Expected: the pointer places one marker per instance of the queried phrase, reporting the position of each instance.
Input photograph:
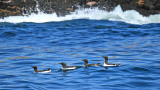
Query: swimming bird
(106, 62)
(65, 67)
(41, 71)
(87, 65)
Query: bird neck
(86, 62)
(106, 60)
(35, 69)
(64, 65)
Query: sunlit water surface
(135, 46)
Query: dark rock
(64, 7)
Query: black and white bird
(65, 67)
(108, 64)
(41, 71)
(88, 65)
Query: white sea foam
(130, 16)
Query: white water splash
(130, 16)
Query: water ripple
(135, 47)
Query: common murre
(65, 67)
(41, 71)
(87, 65)
(106, 62)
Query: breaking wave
(130, 16)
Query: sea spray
(130, 16)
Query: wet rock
(91, 3)
(140, 3)
(64, 7)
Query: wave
(130, 16)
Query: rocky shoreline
(64, 7)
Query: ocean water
(44, 40)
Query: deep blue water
(135, 47)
